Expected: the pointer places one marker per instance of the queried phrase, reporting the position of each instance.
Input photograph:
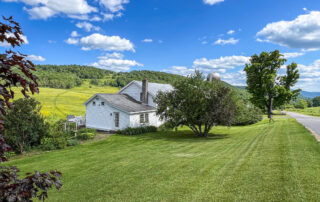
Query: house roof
(123, 102)
(153, 88)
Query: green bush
(301, 104)
(72, 142)
(137, 131)
(85, 136)
(87, 130)
(246, 114)
(52, 143)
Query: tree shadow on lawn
(181, 136)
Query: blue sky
(175, 36)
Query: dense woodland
(69, 76)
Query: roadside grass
(262, 162)
(58, 103)
(312, 111)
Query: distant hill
(70, 76)
(309, 94)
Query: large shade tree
(17, 71)
(198, 104)
(268, 88)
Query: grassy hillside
(312, 111)
(261, 162)
(58, 103)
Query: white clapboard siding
(102, 117)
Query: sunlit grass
(262, 162)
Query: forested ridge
(69, 76)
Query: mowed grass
(263, 162)
(58, 103)
(312, 111)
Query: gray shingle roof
(125, 103)
(154, 88)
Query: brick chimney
(144, 94)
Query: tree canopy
(198, 104)
(268, 89)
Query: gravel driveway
(310, 122)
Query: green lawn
(262, 162)
(312, 111)
(58, 103)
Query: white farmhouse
(132, 106)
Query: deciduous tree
(198, 104)
(269, 89)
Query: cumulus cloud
(181, 70)
(302, 32)
(107, 43)
(228, 62)
(43, 9)
(226, 41)
(147, 40)
(87, 26)
(74, 34)
(292, 54)
(36, 58)
(309, 76)
(6, 44)
(230, 32)
(212, 2)
(114, 5)
(115, 62)
(72, 41)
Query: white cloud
(113, 55)
(304, 9)
(147, 40)
(36, 58)
(87, 26)
(43, 9)
(292, 55)
(95, 19)
(107, 43)
(302, 32)
(115, 62)
(309, 76)
(6, 44)
(230, 32)
(114, 5)
(72, 41)
(181, 70)
(51, 41)
(212, 2)
(226, 41)
(228, 62)
(74, 34)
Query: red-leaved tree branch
(17, 71)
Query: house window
(102, 103)
(141, 97)
(141, 118)
(116, 119)
(144, 118)
(94, 103)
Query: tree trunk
(270, 108)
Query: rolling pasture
(261, 162)
(58, 103)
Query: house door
(116, 119)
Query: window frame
(116, 119)
(142, 118)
